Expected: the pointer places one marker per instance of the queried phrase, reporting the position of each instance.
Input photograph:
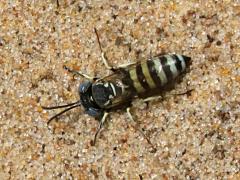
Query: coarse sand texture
(196, 135)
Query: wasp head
(87, 100)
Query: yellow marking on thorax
(137, 85)
(147, 75)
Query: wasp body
(99, 96)
(130, 82)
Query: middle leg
(105, 61)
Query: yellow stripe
(136, 83)
(161, 73)
(171, 63)
(147, 75)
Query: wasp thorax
(102, 93)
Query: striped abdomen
(157, 72)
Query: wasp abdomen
(157, 72)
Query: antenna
(72, 106)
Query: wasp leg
(103, 120)
(79, 73)
(183, 93)
(126, 65)
(136, 127)
(152, 98)
(105, 60)
(187, 92)
(58, 5)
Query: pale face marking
(106, 84)
(113, 89)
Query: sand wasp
(99, 96)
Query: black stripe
(154, 73)
(166, 68)
(177, 62)
(187, 61)
(127, 80)
(141, 77)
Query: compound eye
(84, 86)
(94, 112)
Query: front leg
(100, 126)
(79, 73)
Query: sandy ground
(197, 136)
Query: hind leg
(136, 127)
